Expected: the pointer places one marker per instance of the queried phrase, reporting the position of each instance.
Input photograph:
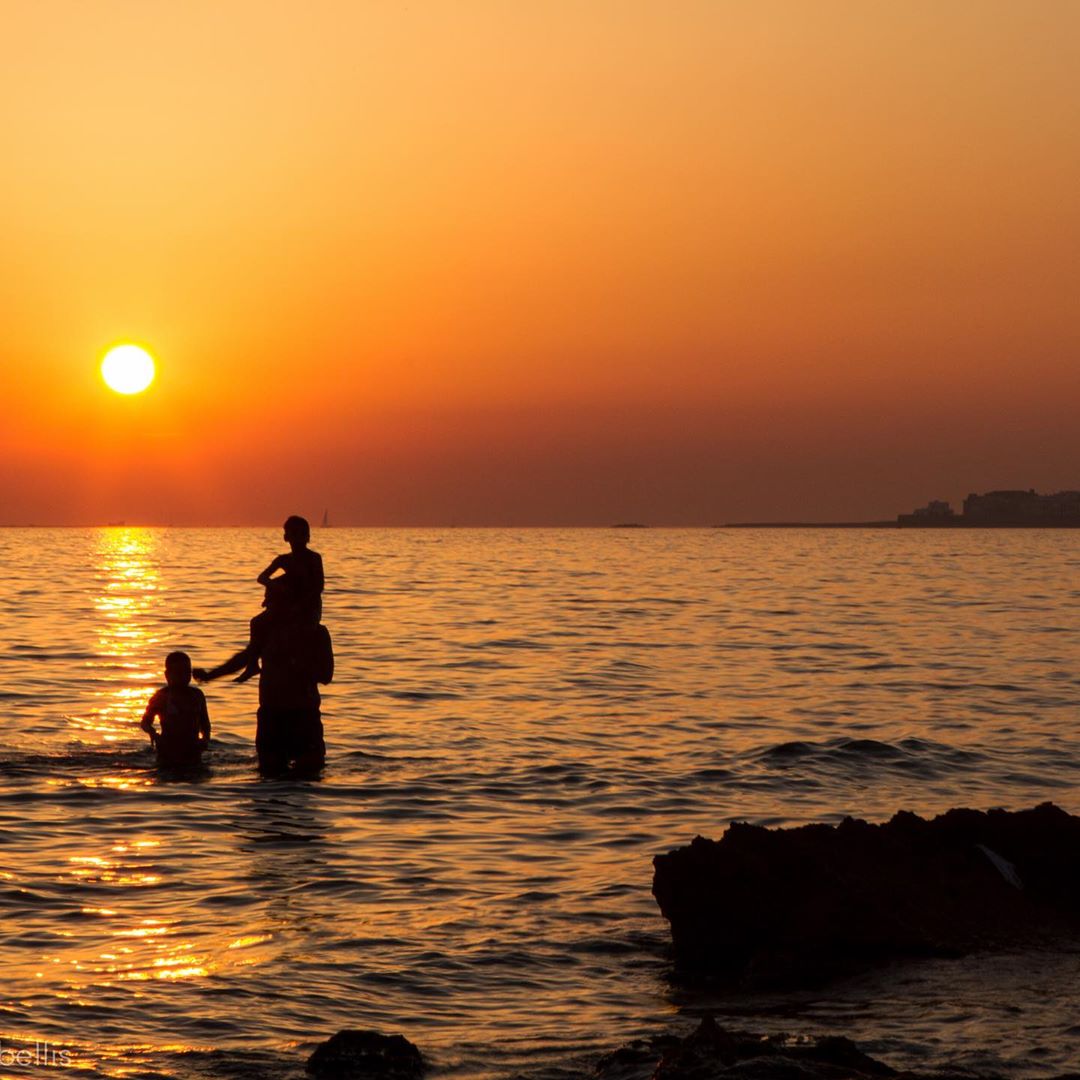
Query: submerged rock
(366, 1055)
(715, 1053)
(797, 906)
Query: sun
(127, 369)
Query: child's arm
(246, 657)
(204, 722)
(268, 573)
(153, 708)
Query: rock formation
(797, 906)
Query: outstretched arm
(235, 663)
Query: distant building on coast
(1023, 508)
(1061, 509)
(934, 512)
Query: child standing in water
(302, 569)
(181, 709)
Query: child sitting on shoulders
(302, 569)
(181, 709)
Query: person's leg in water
(307, 747)
(290, 741)
(271, 745)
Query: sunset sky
(554, 262)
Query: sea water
(520, 720)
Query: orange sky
(551, 262)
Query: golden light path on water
(127, 945)
(128, 646)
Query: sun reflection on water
(128, 946)
(129, 587)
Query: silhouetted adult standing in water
(294, 654)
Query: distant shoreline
(809, 525)
(938, 525)
(617, 527)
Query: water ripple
(520, 721)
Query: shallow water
(520, 721)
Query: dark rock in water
(366, 1055)
(797, 906)
(715, 1053)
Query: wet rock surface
(366, 1055)
(713, 1052)
(789, 907)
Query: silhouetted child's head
(297, 531)
(178, 669)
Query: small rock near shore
(366, 1055)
